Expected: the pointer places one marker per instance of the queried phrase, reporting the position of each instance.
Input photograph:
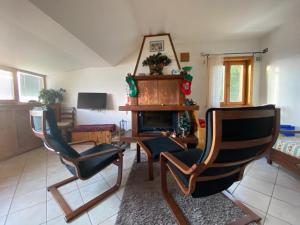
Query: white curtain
(215, 70)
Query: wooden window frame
(15, 71)
(248, 80)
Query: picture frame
(157, 46)
(159, 37)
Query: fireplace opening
(156, 121)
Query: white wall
(112, 80)
(200, 79)
(280, 82)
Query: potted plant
(156, 63)
(51, 96)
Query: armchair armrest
(98, 154)
(81, 142)
(176, 162)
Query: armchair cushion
(90, 167)
(203, 188)
(189, 158)
(161, 144)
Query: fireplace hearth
(157, 121)
(157, 108)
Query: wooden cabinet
(8, 134)
(26, 140)
(15, 132)
(159, 90)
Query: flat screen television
(91, 101)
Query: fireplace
(156, 121)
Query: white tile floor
(271, 191)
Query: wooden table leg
(138, 153)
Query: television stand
(100, 133)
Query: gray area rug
(143, 203)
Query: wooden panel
(98, 136)
(158, 77)
(134, 121)
(147, 92)
(168, 92)
(15, 132)
(285, 160)
(8, 134)
(26, 139)
(184, 57)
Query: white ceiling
(60, 35)
(32, 41)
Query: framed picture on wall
(157, 46)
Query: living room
(89, 69)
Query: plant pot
(156, 69)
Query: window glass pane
(29, 86)
(6, 85)
(236, 83)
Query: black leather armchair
(234, 138)
(81, 165)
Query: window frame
(247, 61)
(30, 74)
(14, 72)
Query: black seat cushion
(161, 144)
(90, 167)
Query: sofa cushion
(288, 145)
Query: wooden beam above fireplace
(158, 108)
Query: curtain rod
(236, 53)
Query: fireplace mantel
(158, 108)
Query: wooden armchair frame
(196, 169)
(53, 189)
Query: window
(7, 91)
(29, 86)
(237, 81)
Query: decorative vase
(156, 69)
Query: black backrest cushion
(238, 130)
(243, 130)
(54, 138)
